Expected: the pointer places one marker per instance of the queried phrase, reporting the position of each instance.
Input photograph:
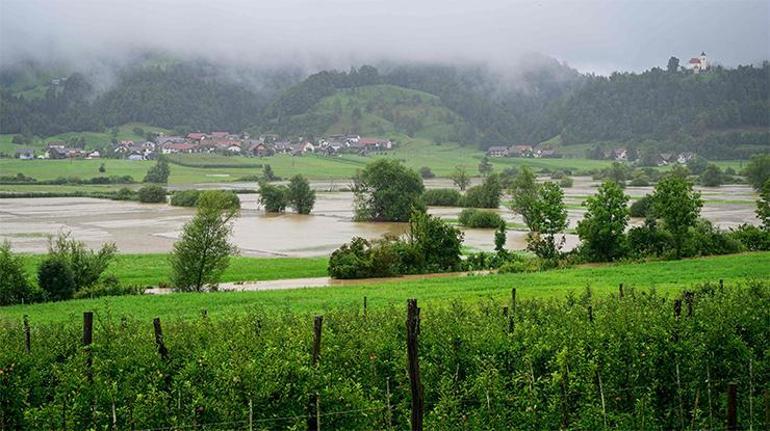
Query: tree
(102, 169)
(763, 206)
(618, 172)
(501, 238)
(697, 165)
(675, 202)
(386, 190)
(486, 195)
(203, 252)
(300, 196)
(485, 166)
(268, 175)
(426, 173)
(524, 193)
(437, 243)
(460, 178)
(548, 217)
(152, 194)
(87, 265)
(273, 198)
(711, 176)
(602, 230)
(673, 64)
(757, 172)
(56, 278)
(159, 173)
(14, 287)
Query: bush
(640, 180)
(363, 259)
(518, 263)
(566, 182)
(474, 218)
(648, 240)
(486, 195)
(426, 173)
(185, 198)
(125, 194)
(14, 287)
(110, 286)
(707, 240)
(641, 207)
(56, 278)
(87, 265)
(442, 197)
(752, 237)
(273, 198)
(152, 194)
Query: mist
(596, 37)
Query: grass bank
(664, 276)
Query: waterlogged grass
(153, 269)
(665, 276)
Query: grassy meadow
(664, 276)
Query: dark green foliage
(87, 265)
(500, 238)
(524, 193)
(426, 173)
(268, 174)
(711, 176)
(185, 198)
(158, 174)
(602, 229)
(757, 172)
(299, 195)
(386, 190)
(547, 219)
(485, 166)
(566, 182)
(431, 245)
(641, 207)
(203, 251)
(152, 194)
(110, 286)
(751, 237)
(273, 198)
(707, 240)
(678, 206)
(224, 362)
(648, 240)
(14, 287)
(486, 195)
(474, 218)
(763, 205)
(442, 197)
(56, 278)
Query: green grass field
(93, 139)
(152, 269)
(665, 276)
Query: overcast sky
(599, 36)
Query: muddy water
(146, 228)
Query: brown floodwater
(153, 228)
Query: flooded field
(145, 228)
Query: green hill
(378, 110)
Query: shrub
(87, 265)
(159, 173)
(641, 207)
(566, 182)
(362, 259)
(648, 240)
(486, 195)
(442, 197)
(110, 286)
(426, 173)
(640, 180)
(273, 198)
(474, 218)
(14, 287)
(125, 194)
(152, 194)
(221, 199)
(185, 198)
(518, 263)
(56, 278)
(752, 237)
(706, 240)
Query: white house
(700, 63)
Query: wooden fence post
(364, 307)
(620, 291)
(591, 313)
(162, 350)
(721, 283)
(512, 315)
(677, 308)
(505, 311)
(88, 338)
(732, 404)
(204, 313)
(412, 332)
(27, 340)
(314, 404)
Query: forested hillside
(722, 113)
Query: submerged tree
(524, 192)
(675, 202)
(547, 218)
(460, 178)
(203, 252)
(386, 190)
(299, 195)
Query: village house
(303, 147)
(684, 158)
(376, 143)
(699, 64)
(497, 151)
(94, 155)
(258, 149)
(521, 151)
(136, 156)
(219, 135)
(163, 140)
(178, 148)
(282, 147)
(24, 153)
(196, 137)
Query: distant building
(700, 63)
(498, 151)
(521, 151)
(24, 153)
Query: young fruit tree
(602, 230)
(203, 252)
(548, 218)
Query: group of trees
(298, 196)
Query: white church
(699, 64)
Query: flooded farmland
(152, 228)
